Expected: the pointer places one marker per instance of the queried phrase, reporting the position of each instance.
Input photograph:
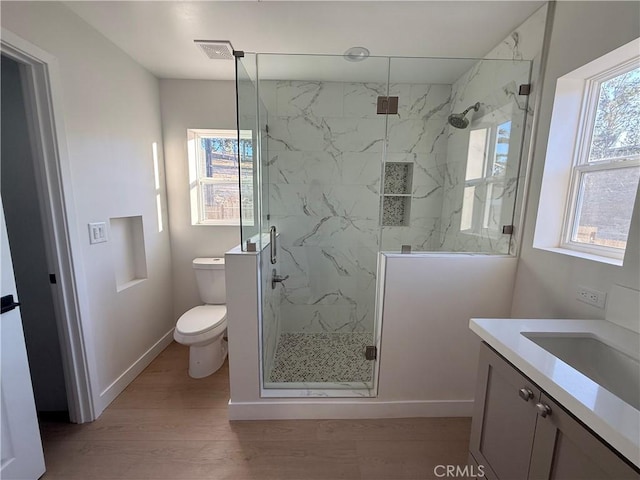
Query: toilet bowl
(203, 328)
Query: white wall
(428, 352)
(192, 104)
(546, 282)
(111, 112)
(26, 239)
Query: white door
(22, 457)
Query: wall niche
(396, 197)
(129, 258)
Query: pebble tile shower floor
(322, 357)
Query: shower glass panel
(248, 146)
(325, 148)
(455, 148)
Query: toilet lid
(201, 319)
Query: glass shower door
(325, 148)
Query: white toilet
(203, 327)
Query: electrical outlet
(592, 297)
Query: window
(592, 162)
(487, 159)
(214, 177)
(606, 167)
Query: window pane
(220, 202)
(503, 134)
(466, 222)
(247, 203)
(219, 159)
(616, 131)
(489, 206)
(246, 160)
(605, 206)
(476, 154)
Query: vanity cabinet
(518, 432)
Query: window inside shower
(337, 183)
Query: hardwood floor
(166, 425)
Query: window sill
(585, 256)
(488, 234)
(216, 224)
(131, 283)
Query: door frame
(43, 102)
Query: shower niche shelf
(397, 178)
(395, 210)
(396, 197)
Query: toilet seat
(201, 319)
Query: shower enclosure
(352, 158)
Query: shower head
(460, 120)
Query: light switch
(97, 232)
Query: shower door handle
(272, 244)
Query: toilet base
(207, 359)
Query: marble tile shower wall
(418, 135)
(494, 86)
(325, 163)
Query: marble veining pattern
(326, 160)
(322, 357)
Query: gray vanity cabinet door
(504, 418)
(565, 450)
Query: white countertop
(611, 418)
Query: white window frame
(562, 142)
(581, 164)
(197, 180)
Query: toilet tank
(210, 280)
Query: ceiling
(160, 34)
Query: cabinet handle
(525, 394)
(543, 409)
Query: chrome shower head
(460, 120)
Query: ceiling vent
(216, 49)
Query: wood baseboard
(340, 409)
(109, 394)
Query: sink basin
(610, 368)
